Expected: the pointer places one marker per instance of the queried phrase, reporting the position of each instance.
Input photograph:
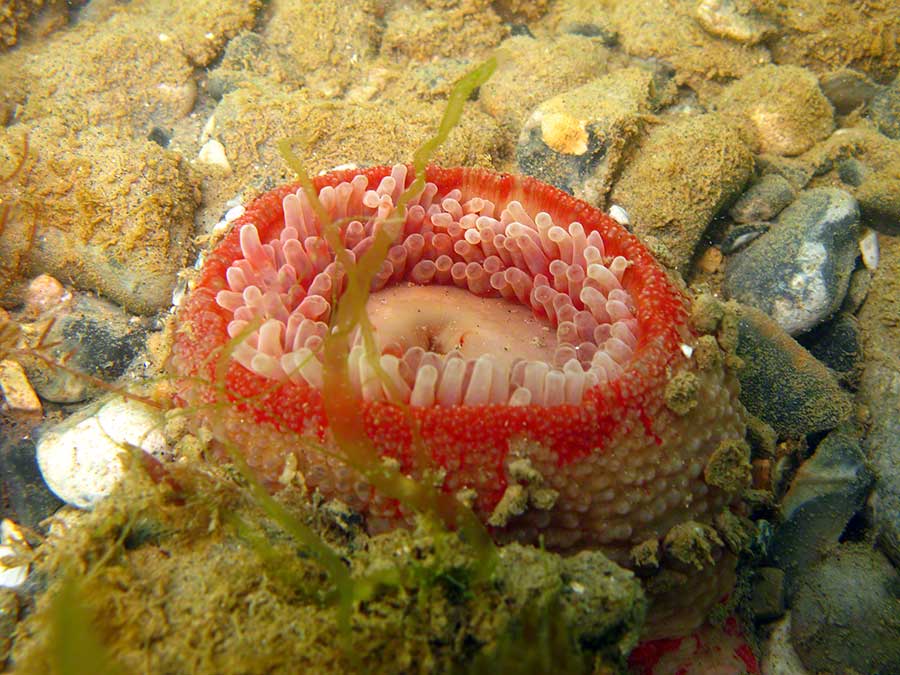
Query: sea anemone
(522, 351)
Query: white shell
(84, 458)
(618, 214)
(868, 247)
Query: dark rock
(160, 136)
(576, 140)
(847, 89)
(763, 200)
(852, 172)
(860, 281)
(844, 615)
(880, 390)
(797, 171)
(798, 272)
(781, 382)
(884, 109)
(828, 489)
(97, 338)
(26, 499)
(740, 235)
(838, 344)
(879, 200)
(767, 594)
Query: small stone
(852, 172)
(782, 383)
(25, 496)
(17, 391)
(44, 294)
(838, 344)
(9, 619)
(213, 152)
(577, 139)
(844, 615)
(739, 236)
(798, 272)
(779, 656)
(879, 199)
(710, 260)
(724, 18)
(96, 338)
(869, 249)
(645, 555)
(706, 313)
(682, 175)
(763, 200)
(828, 489)
(884, 110)
(85, 457)
(848, 89)
(857, 291)
(781, 109)
(767, 594)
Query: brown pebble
(711, 260)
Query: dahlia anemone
(518, 348)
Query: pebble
(798, 272)
(838, 344)
(847, 89)
(879, 199)
(578, 139)
(828, 490)
(884, 110)
(880, 391)
(533, 70)
(96, 337)
(12, 543)
(852, 172)
(767, 601)
(724, 18)
(844, 614)
(213, 153)
(807, 397)
(84, 458)
(740, 234)
(705, 164)
(763, 200)
(781, 108)
(26, 498)
(779, 655)
(18, 394)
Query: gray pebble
(844, 615)
(838, 344)
(828, 489)
(852, 172)
(880, 391)
(782, 383)
(26, 498)
(740, 235)
(798, 272)
(98, 338)
(576, 140)
(884, 110)
(847, 89)
(767, 594)
(763, 200)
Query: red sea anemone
(529, 343)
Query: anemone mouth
(495, 290)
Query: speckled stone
(828, 489)
(884, 109)
(782, 383)
(798, 272)
(576, 140)
(844, 614)
(763, 200)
